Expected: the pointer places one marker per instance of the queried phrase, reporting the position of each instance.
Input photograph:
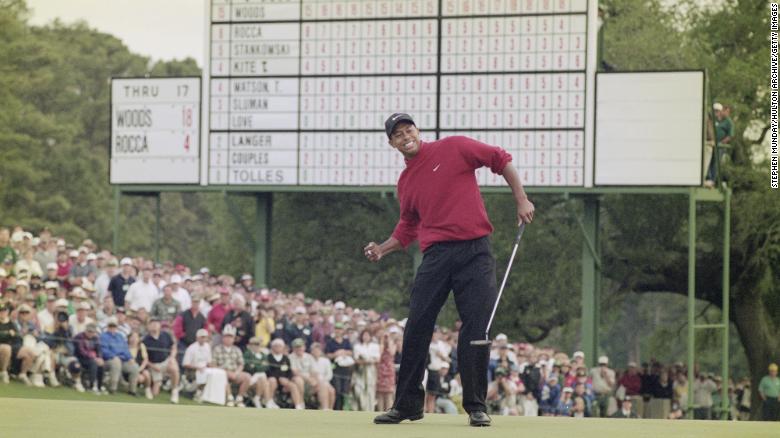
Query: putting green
(21, 418)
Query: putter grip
(520, 233)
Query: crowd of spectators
(86, 318)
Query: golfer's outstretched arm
(525, 208)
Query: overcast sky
(162, 29)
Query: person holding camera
(10, 341)
(502, 393)
(62, 349)
(603, 378)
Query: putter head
(481, 343)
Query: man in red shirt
(442, 208)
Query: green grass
(75, 415)
(18, 390)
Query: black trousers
(770, 409)
(469, 269)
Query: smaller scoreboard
(155, 130)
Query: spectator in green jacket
(255, 364)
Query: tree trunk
(759, 340)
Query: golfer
(442, 208)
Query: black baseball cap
(395, 119)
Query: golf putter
(487, 340)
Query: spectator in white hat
(323, 367)
(280, 373)
(46, 315)
(46, 252)
(79, 321)
(603, 378)
(142, 293)
(121, 282)
(51, 271)
(104, 278)
(304, 367)
(229, 357)
(255, 365)
(81, 268)
(211, 381)
(298, 327)
(179, 293)
(338, 312)
(29, 264)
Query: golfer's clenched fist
(373, 252)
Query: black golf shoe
(479, 419)
(394, 416)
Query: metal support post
(691, 296)
(590, 280)
(157, 229)
(263, 215)
(724, 391)
(117, 196)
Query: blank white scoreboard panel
(155, 131)
(299, 90)
(649, 128)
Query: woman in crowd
(385, 384)
(138, 351)
(364, 378)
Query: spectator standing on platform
(769, 391)
(120, 283)
(724, 134)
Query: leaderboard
(299, 90)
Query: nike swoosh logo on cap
(437, 167)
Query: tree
(647, 251)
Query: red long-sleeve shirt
(439, 194)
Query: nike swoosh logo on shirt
(437, 167)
